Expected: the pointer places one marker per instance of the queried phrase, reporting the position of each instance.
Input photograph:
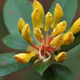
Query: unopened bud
(60, 28)
(21, 24)
(57, 41)
(58, 14)
(38, 34)
(24, 57)
(61, 57)
(75, 27)
(26, 33)
(48, 20)
(36, 4)
(68, 38)
(35, 17)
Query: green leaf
(75, 43)
(15, 9)
(69, 8)
(42, 66)
(57, 72)
(73, 60)
(8, 64)
(15, 41)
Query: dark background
(26, 74)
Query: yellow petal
(75, 27)
(38, 34)
(36, 4)
(24, 57)
(21, 24)
(57, 41)
(58, 14)
(61, 57)
(68, 38)
(48, 20)
(26, 33)
(60, 28)
(35, 17)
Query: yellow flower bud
(57, 41)
(68, 38)
(24, 57)
(75, 27)
(61, 57)
(26, 33)
(58, 14)
(38, 34)
(60, 28)
(36, 4)
(48, 20)
(21, 24)
(35, 17)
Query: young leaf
(8, 64)
(69, 9)
(15, 9)
(42, 66)
(57, 72)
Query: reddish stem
(33, 45)
(49, 40)
(51, 31)
(45, 38)
(51, 49)
(50, 37)
(38, 40)
(37, 54)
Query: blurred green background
(28, 73)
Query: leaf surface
(73, 60)
(15, 41)
(57, 72)
(9, 65)
(42, 66)
(15, 9)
